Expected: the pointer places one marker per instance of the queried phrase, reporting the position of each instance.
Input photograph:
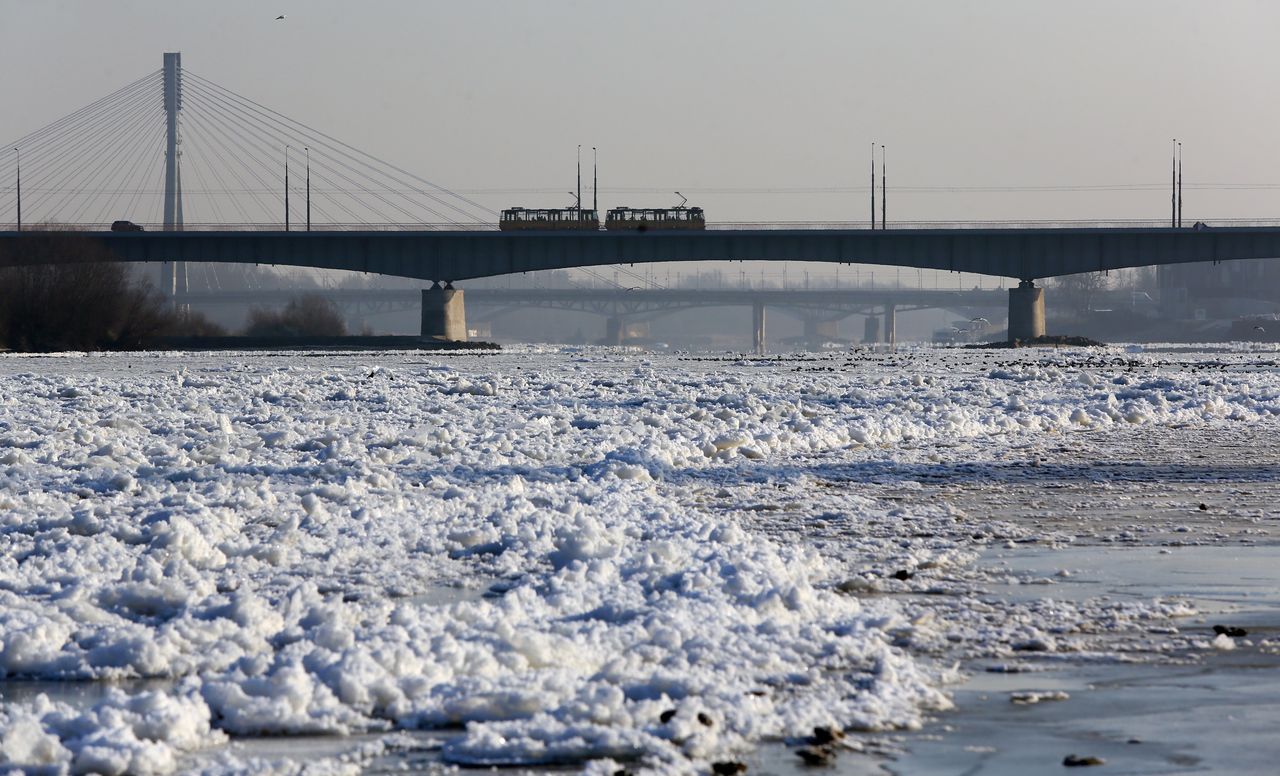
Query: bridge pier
(870, 330)
(443, 314)
(1026, 311)
(757, 327)
(891, 323)
(615, 330)
(818, 331)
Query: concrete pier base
(870, 330)
(1026, 311)
(443, 314)
(618, 330)
(757, 327)
(615, 330)
(818, 331)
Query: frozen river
(968, 561)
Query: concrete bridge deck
(1027, 254)
(447, 256)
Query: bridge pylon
(173, 273)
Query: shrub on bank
(67, 294)
(309, 315)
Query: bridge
(445, 257)
(236, 146)
(820, 309)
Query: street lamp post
(1179, 184)
(884, 191)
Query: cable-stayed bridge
(112, 160)
(213, 176)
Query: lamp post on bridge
(1179, 184)
(884, 191)
(873, 185)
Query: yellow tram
(644, 219)
(521, 218)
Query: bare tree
(309, 315)
(65, 292)
(1078, 292)
(190, 323)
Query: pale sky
(737, 103)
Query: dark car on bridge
(125, 226)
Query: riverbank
(354, 342)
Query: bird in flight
(1258, 328)
(280, 18)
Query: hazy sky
(717, 99)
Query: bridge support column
(757, 327)
(891, 324)
(1026, 311)
(817, 331)
(870, 330)
(615, 330)
(443, 314)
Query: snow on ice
(272, 535)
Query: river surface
(566, 559)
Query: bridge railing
(1007, 224)
(716, 226)
(264, 227)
